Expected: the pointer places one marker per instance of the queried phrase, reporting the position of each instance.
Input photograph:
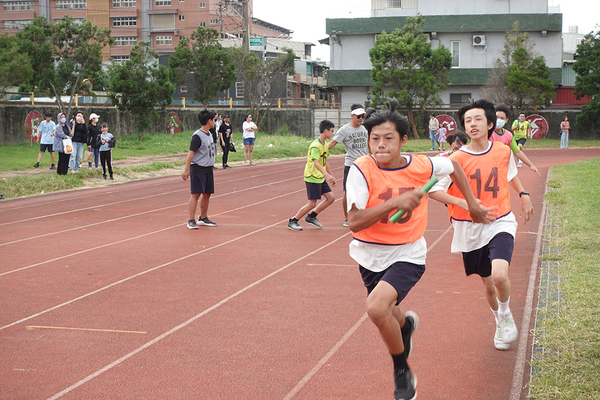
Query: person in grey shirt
(354, 136)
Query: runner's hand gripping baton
(398, 214)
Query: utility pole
(246, 25)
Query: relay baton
(398, 214)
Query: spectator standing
(441, 137)
(434, 125)
(564, 133)
(93, 139)
(79, 141)
(249, 129)
(225, 139)
(354, 136)
(46, 132)
(61, 132)
(105, 151)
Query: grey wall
(298, 121)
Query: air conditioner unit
(478, 40)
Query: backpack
(112, 143)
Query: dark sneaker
(37, 164)
(111, 178)
(192, 224)
(53, 166)
(294, 225)
(406, 385)
(206, 222)
(313, 221)
(104, 177)
(346, 223)
(412, 319)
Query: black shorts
(401, 275)
(315, 190)
(522, 141)
(480, 261)
(44, 147)
(346, 170)
(202, 182)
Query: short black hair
(48, 114)
(355, 106)
(374, 118)
(486, 106)
(205, 115)
(458, 136)
(503, 108)
(104, 125)
(325, 124)
(521, 112)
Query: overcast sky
(307, 18)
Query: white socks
(503, 308)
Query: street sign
(256, 41)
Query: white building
(473, 31)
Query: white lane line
(140, 213)
(194, 318)
(517, 382)
(134, 199)
(139, 236)
(343, 340)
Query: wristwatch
(523, 192)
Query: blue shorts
(202, 182)
(249, 141)
(522, 141)
(315, 190)
(401, 275)
(480, 261)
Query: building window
(202, 24)
(182, 17)
(125, 40)
(70, 4)
(120, 59)
(183, 89)
(394, 3)
(214, 21)
(164, 40)
(18, 6)
(460, 98)
(16, 24)
(455, 49)
(123, 3)
(239, 89)
(125, 21)
(163, 2)
(202, 5)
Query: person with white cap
(93, 140)
(354, 136)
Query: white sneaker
(508, 329)
(519, 164)
(498, 343)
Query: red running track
(104, 293)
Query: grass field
(570, 329)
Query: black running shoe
(412, 319)
(406, 385)
(206, 222)
(313, 222)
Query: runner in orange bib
(391, 257)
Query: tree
(74, 54)
(520, 78)
(204, 58)
(587, 82)
(406, 67)
(15, 68)
(140, 84)
(260, 75)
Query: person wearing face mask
(62, 132)
(80, 133)
(505, 136)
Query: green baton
(398, 214)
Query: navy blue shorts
(315, 190)
(522, 141)
(346, 170)
(44, 147)
(401, 275)
(480, 261)
(202, 183)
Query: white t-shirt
(376, 257)
(245, 126)
(469, 236)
